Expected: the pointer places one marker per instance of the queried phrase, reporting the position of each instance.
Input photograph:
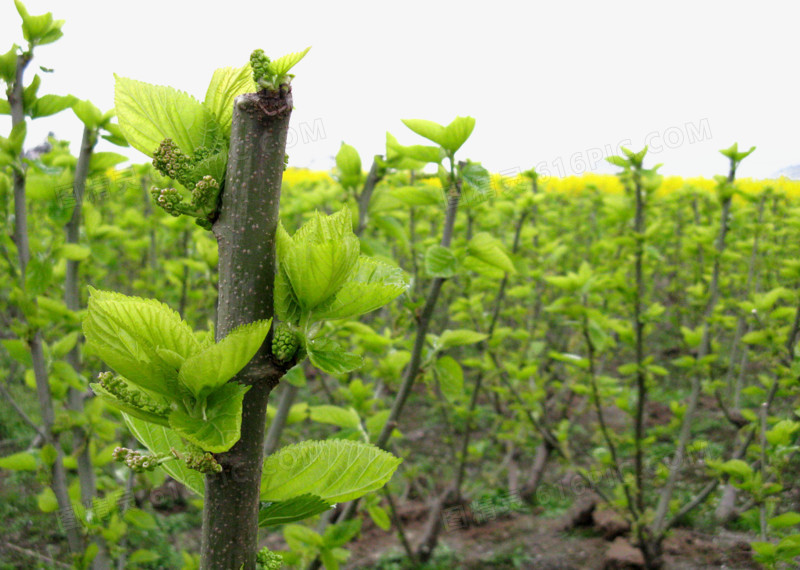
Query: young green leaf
(102, 161)
(148, 114)
(282, 65)
(341, 533)
(380, 517)
(125, 332)
(287, 307)
(334, 470)
(412, 157)
(329, 357)
(22, 461)
(440, 262)
(212, 367)
(451, 378)
(218, 428)
(292, 510)
(226, 84)
(490, 250)
(88, 113)
(430, 130)
(451, 137)
(300, 537)
(349, 164)
(418, 196)
(460, 337)
(39, 30)
(50, 105)
(319, 258)
(785, 520)
(335, 415)
(74, 252)
(371, 285)
(8, 65)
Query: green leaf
(329, 560)
(781, 432)
(88, 113)
(296, 376)
(371, 285)
(16, 139)
(349, 164)
(765, 549)
(8, 68)
(440, 262)
(432, 131)
(160, 440)
(39, 30)
(102, 161)
(48, 454)
(220, 427)
(415, 156)
(478, 183)
(47, 105)
(32, 26)
(22, 461)
(380, 517)
(737, 468)
(335, 415)
(148, 114)
(418, 195)
(126, 332)
(319, 258)
(480, 267)
(618, 161)
(457, 133)
(785, 520)
(451, 378)
(329, 357)
(46, 500)
(115, 135)
(789, 547)
(75, 252)
(66, 343)
(300, 537)
(287, 308)
(490, 250)
(19, 351)
(451, 137)
(733, 153)
(460, 337)
(341, 533)
(291, 510)
(335, 470)
(214, 366)
(282, 65)
(142, 556)
(140, 519)
(226, 84)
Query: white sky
(554, 84)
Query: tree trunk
(245, 232)
(34, 340)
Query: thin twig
(25, 417)
(35, 554)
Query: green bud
(268, 560)
(285, 342)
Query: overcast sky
(556, 85)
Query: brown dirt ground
(540, 543)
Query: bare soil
(532, 541)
